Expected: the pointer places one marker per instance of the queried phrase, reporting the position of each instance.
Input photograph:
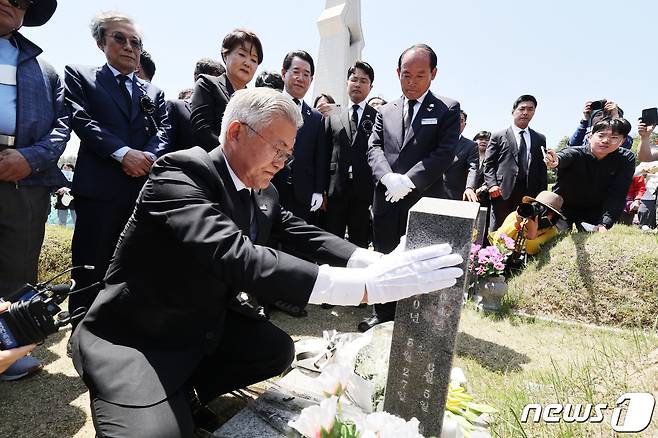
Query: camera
(35, 313)
(597, 105)
(528, 210)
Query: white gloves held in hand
(393, 277)
(398, 186)
(316, 201)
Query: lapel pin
(308, 112)
(430, 107)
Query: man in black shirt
(593, 179)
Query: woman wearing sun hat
(539, 228)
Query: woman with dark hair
(324, 103)
(242, 53)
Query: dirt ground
(55, 402)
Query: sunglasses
(21, 4)
(121, 39)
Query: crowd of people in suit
(354, 171)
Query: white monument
(341, 43)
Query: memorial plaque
(426, 325)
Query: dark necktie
(410, 116)
(355, 119)
(124, 91)
(297, 101)
(523, 158)
(245, 198)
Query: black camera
(35, 313)
(528, 210)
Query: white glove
(410, 273)
(316, 201)
(398, 186)
(393, 277)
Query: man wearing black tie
(164, 336)
(412, 144)
(121, 121)
(302, 184)
(350, 177)
(514, 162)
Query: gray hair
(99, 22)
(256, 107)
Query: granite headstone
(426, 325)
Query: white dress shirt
(526, 135)
(419, 102)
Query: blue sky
(563, 52)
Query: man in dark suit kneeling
(165, 327)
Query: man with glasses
(302, 185)
(594, 179)
(121, 122)
(34, 129)
(165, 336)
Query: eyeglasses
(21, 4)
(121, 39)
(280, 155)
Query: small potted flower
(488, 265)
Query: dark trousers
(346, 211)
(23, 215)
(388, 227)
(500, 207)
(98, 226)
(647, 213)
(251, 350)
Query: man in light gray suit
(514, 162)
(460, 179)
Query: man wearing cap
(121, 121)
(538, 228)
(34, 129)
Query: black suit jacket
(423, 154)
(104, 123)
(209, 99)
(501, 165)
(463, 172)
(183, 257)
(180, 132)
(310, 168)
(347, 151)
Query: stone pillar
(426, 325)
(341, 43)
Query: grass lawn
(513, 362)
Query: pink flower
(499, 266)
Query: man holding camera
(593, 112)
(594, 179)
(167, 328)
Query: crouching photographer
(532, 224)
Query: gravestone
(426, 325)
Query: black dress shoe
(202, 416)
(369, 323)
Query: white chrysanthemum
(314, 419)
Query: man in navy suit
(412, 144)
(120, 120)
(514, 162)
(459, 180)
(302, 183)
